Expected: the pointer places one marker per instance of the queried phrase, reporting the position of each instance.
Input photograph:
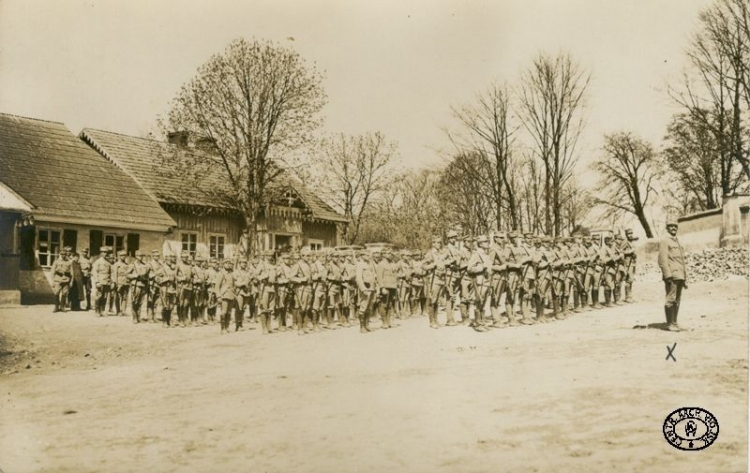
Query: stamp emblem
(690, 428)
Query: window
(189, 243)
(116, 242)
(315, 244)
(216, 246)
(48, 246)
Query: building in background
(298, 218)
(55, 191)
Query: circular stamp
(691, 428)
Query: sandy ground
(589, 393)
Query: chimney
(205, 143)
(179, 138)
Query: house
(297, 219)
(55, 191)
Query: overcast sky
(390, 66)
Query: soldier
(200, 290)
(517, 259)
(479, 267)
(452, 257)
(466, 293)
(166, 278)
(139, 277)
(434, 267)
(102, 280)
(619, 269)
(499, 279)
(349, 288)
(580, 264)
(251, 299)
(417, 294)
(85, 263)
(527, 281)
(544, 278)
(112, 294)
(153, 287)
(403, 277)
(609, 257)
(629, 257)
(213, 302)
(184, 288)
(266, 274)
(388, 287)
(674, 274)
(225, 292)
(62, 273)
(318, 288)
(595, 270)
(335, 272)
(242, 288)
(560, 270)
(120, 272)
(284, 290)
(367, 284)
(304, 290)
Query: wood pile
(710, 264)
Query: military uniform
(184, 288)
(674, 273)
(224, 286)
(153, 287)
(335, 275)
(284, 290)
(417, 292)
(388, 289)
(139, 278)
(434, 268)
(367, 284)
(266, 275)
(479, 267)
(85, 264)
(200, 291)
(349, 289)
(629, 260)
(120, 274)
(499, 278)
(101, 273)
(303, 290)
(243, 282)
(166, 279)
(62, 273)
(319, 275)
(212, 302)
(453, 257)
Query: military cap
(514, 234)
(103, 249)
(228, 260)
(139, 253)
(618, 236)
(213, 260)
(671, 222)
(436, 238)
(607, 237)
(482, 239)
(547, 239)
(528, 235)
(155, 253)
(199, 259)
(122, 253)
(184, 254)
(628, 230)
(68, 249)
(500, 235)
(452, 234)
(405, 252)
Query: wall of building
(204, 226)
(700, 230)
(320, 231)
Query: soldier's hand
(685, 286)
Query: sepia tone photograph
(396, 236)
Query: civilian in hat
(62, 273)
(674, 274)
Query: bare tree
(693, 157)
(628, 169)
(351, 172)
(466, 203)
(552, 99)
(245, 109)
(487, 131)
(716, 91)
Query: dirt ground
(589, 393)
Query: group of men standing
(523, 274)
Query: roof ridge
(31, 118)
(123, 134)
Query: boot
(432, 315)
(628, 294)
(616, 296)
(465, 320)
(166, 317)
(576, 301)
(450, 320)
(526, 319)
(511, 316)
(316, 320)
(57, 306)
(362, 328)
(607, 298)
(539, 305)
(556, 308)
(367, 321)
(595, 299)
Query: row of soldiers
(526, 275)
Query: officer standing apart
(672, 265)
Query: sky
(391, 66)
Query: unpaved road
(586, 394)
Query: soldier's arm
(666, 271)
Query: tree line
(512, 157)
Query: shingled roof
(139, 158)
(66, 181)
